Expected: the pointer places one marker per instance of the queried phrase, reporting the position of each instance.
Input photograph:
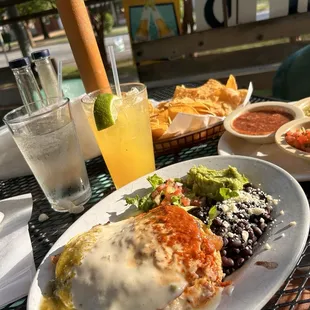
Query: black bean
(217, 221)
(240, 261)
(241, 224)
(257, 231)
(225, 241)
(238, 230)
(222, 230)
(251, 233)
(223, 252)
(250, 241)
(236, 250)
(227, 262)
(236, 243)
(247, 252)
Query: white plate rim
(259, 302)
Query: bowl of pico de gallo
(294, 138)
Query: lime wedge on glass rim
(105, 112)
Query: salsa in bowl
(294, 138)
(258, 123)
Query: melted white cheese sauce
(127, 269)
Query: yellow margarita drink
(125, 139)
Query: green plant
(108, 22)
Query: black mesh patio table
(44, 234)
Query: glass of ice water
(48, 141)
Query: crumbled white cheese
(256, 211)
(267, 246)
(229, 215)
(230, 234)
(226, 224)
(1, 217)
(245, 235)
(224, 208)
(282, 212)
(292, 223)
(43, 217)
(273, 200)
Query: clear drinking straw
(59, 69)
(114, 70)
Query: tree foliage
(101, 21)
(35, 6)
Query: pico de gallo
(299, 139)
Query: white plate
(254, 285)
(231, 145)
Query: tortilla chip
(181, 108)
(229, 96)
(232, 83)
(212, 98)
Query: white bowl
(302, 104)
(280, 137)
(296, 112)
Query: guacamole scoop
(215, 184)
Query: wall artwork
(150, 19)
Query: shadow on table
(132, 210)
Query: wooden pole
(77, 25)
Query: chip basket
(175, 144)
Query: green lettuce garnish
(144, 203)
(176, 201)
(227, 193)
(155, 180)
(213, 213)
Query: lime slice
(105, 112)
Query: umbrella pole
(77, 25)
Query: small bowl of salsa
(258, 122)
(294, 138)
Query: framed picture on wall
(152, 20)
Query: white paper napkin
(17, 267)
